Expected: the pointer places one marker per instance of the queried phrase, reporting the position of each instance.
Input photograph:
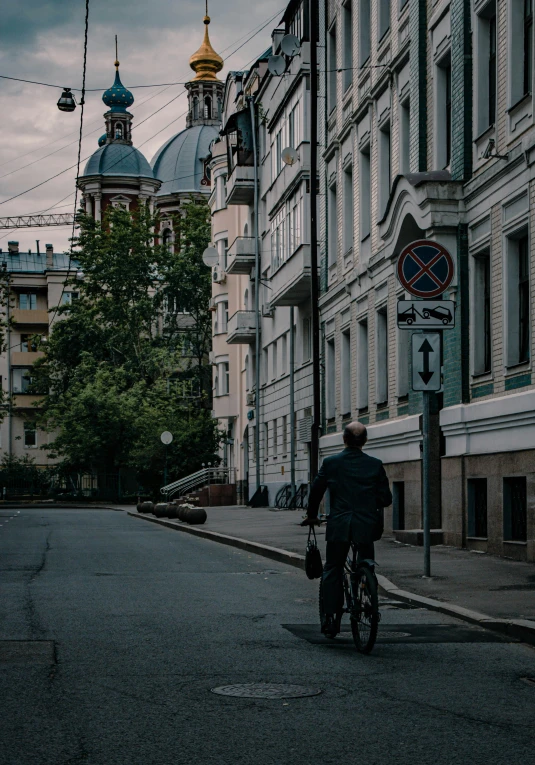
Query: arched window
(195, 108)
(246, 230)
(118, 130)
(219, 108)
(208, 108)
(246, 299)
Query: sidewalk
(498, 588)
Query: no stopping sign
(425, 268)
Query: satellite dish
(166, 437)
(289, 156)
(276, 65)
(290, 45)
(210, 257)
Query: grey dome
(118, 159)
(178, 164)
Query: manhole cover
(392, 634)
(529, 681)
(266, 691)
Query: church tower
(205, 91)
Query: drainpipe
(256, 296)
(292, 402)
(314, 287)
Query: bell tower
(205, 90)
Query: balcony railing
(290, 284)
(241, 328)
(241, 255)
(240, 185)
(37, 316)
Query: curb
(519, 629)
(56, 506)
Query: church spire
(206, 63)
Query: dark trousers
(333, 589)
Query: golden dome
(206, 63)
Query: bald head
(355, 435)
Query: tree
(124, 360)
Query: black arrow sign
(426, 348)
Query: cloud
(42, 40)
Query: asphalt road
(114, 630)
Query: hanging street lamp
(66, 102)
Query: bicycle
(361, 599)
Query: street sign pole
(426, 493)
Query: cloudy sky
(43, 40)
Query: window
(482, 337)
(278, 152)
(28, 343)
(167, 239)
(275, 439)
(331, 69)
(27, 301)
(266, 440)
(362, 364)
(403, 363)
(307, 339)
(364, 194)
(518, 333)
(345, 403)
(330, 380)
(485, 64)
(294, 127)
(332, 224)
(195, 108)
(30, 435)
(208, 108)
(118, 131)
(405, 137)
(68, 297)
(443, 114)
(347, 49)
(364, 31)
(224, 315)
(477, 507)
(384, 17)
(220, 192)
(21, 380)
(265, 359)
(284, 354)
(384, 168)
(284, 433)
(398, 505)
(225, 378)
(528, 46)
(381, 372)
(347, 223)
(514, 509)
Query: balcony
(241, 255)
(291, 282)
(240, 185)
(25, 358)
(241, 328)
(26, 400)
(37, 316)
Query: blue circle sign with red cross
(425, 268)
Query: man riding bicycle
(358, 489)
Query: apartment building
(36, 282)
(429, 134)
(281, 104)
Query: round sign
(166, 437)
(425, 268)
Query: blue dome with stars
(102, 140)
(118, 98)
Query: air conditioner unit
(218, 275)
(250, 399)
(268, 311)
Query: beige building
(36, 286)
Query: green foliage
(120, 359)
(22, 472)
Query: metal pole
(314, 281)
(426, 496)
(9, 381)
(256, 297)
(165, 468)
(292, 401)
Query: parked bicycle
(361, 600)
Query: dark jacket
(358, 489)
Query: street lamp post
(166, 438)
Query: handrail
(203, 477)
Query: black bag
(313, 564)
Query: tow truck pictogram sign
(426, 314)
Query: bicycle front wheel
(365, 609)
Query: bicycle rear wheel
(365, 609)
